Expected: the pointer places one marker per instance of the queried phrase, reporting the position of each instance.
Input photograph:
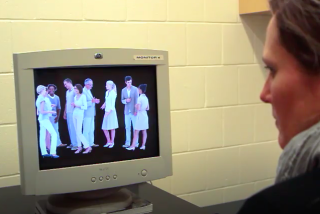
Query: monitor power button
(144, 172)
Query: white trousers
(130, 118)
(56, 128)
(77, 121)
(46, 125)
(71, 129)
(88, 129)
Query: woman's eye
(270, 70)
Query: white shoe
(126, 145)
(143, 147)
(137, 145)
(131, 148)
(107, 145)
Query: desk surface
(12, 202)
(227, 208)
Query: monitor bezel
(76, 179)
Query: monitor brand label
(104, 169)
(148, 57)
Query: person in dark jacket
(292, 59)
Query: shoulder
(57, 97)
(145, 98)
(85, 93)
(276, 195)
(40, 98)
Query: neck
(51, 95)
(129, 87)
(71, 88)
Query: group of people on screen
(80, 112)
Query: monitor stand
(98, 201)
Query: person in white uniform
(142, 122)
(68, 113)
(90, 113)
(44, 112)
(55, 103)
(80, 105)
(110, 119)
(129, 97)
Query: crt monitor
(91, 119)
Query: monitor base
(93, 202)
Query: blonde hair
(40, 89)
(113, 85)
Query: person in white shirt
(68, 113)
(129, 97)
(90, 113)
(142, 122)
(80, 105)
(110, 120)
(44, 112)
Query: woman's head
(78, 89)
(42, 90)
(142, 88)
(110, 85)
(292, 56)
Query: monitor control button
(144, 172)
(100, 178)
(93, 179)
(115, 177)
(108, 178)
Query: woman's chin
(282, 141)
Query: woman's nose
(265, 94)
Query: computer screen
(96, 113)
(78, 115)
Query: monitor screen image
(93, 115)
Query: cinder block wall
(224, 140)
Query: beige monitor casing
(76, 179)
